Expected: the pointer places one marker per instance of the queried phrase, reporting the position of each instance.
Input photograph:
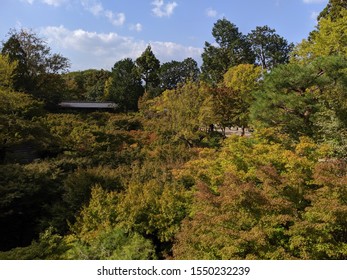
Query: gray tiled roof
(88, 105)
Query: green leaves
(233, 49)
(149, 66)
(125, 86)
(330, 38)
(269, 48)
(259, 200)
(185, 113)
(36, 65)
(295, 96)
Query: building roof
(88, 105)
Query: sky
(95, 34)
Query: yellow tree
(330, 38)
(235, 94)
(7, 69)
(183, 114)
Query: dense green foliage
(37, 69)
(161, 178)
(88, 85)
(259, 200)
(124, 85)
(269, 48)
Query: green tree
(255, 199)
(19, 124)
(233, 49)
(306, 100)
(184, 114)
(269, 48)
(88, 85)
(49, 246)
(233, 98)
(330, 38)
(36, 65)
(333, 9)
(27, 194)
(125, 86)
(148, 66)
(174, 73)
(95, 235)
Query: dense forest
(158, 177)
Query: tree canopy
(124, 86)
(148, 66)
(269, 48)
(159, 178)
(37, 71)
(233, 49)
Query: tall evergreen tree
(175, 72)
(269, 48)
(148, 66)
(125, 85)
(233, 49)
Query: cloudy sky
(98, 33)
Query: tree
(305, 99)
(7, 69)
(95, 235)
(20, 124)
(125, 85)
(183, 114)
(333, 9)
(269, 48)
(148, 66)
(27, 195)
(330, 38)
(86, 85)
(36, 65)
(174, 73)
(255, 199)
(233, 98)
(233, 49)
(50, 246)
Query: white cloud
(167, 51)
(163, 10)
(136, 27)
(101, 50)
(314, 1)
(54, 3)
(211, 13)
(28, 1)
(115, 19)
(96, 8)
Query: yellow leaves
(330, 38)
(97, 216)
(305, 147)
(332, 35)
(183, 114)
(253, 160)
(254, 200)
(243, 78)
(7, 69)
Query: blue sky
(98, 33)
